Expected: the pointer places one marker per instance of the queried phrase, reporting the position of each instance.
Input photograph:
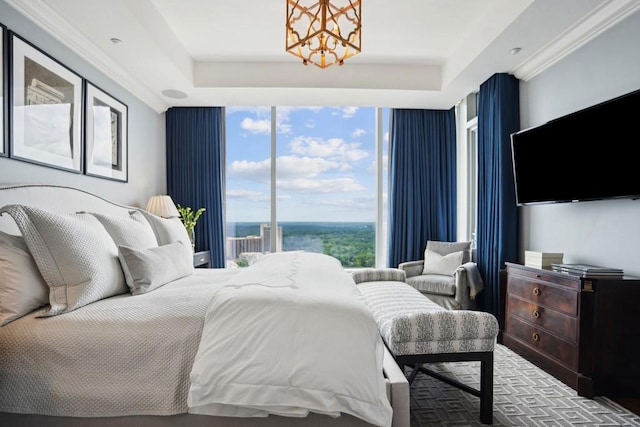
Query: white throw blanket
(288, 336)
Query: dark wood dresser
(583, 331)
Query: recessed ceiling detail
(174, 94)
(416, 53)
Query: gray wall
(147, 166)
(603, 232)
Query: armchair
(448, 275)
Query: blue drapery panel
(422, 181)
(497, 230)
(195, 172)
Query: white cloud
(344, 167)
(310, 124)
(363, 203)
(262, 122)
(254, 196)
(333, 148)
(386, 137)
(348, 112)
(337, 185)
(292, 167)
(252, 171)
(358, 133)
(288, 167)
(282, 127)
(256, 126)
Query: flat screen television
(587, 155)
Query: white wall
(147, 166)
(604, 232)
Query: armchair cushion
(445, 248)
(434, 284)
(434, 263)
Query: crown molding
(46, 18)
(592, 25)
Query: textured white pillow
(133, 230)
(148, 269)
(22, 288)
(74, 253)
(167, 230)
(435, 263)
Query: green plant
(189, 217)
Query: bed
(180, 346)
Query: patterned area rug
(524, 395)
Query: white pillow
(22, 288)
(133, 230)
(74, 253)
(167, 230)
(148, 269)
(435, 263)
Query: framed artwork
(106, 148)
(46, 109)
(4, 89)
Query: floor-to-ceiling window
(306, 178)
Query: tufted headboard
(54, 198)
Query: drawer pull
(535, 336)
(536, 291)
(538, 276)
(536, 314)
(201, 259)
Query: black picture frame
(46, 108)
(4, 92)
(106, 140)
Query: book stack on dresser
(542, 260)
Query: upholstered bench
(417, 331)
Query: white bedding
(124, 355)
(286, 336)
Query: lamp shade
(162, 206)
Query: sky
(325, 163)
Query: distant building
(236, 246)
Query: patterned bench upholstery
(411, 323)
(417, 330)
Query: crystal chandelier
(323, 32)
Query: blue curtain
(497, 229)
(195, 171)
(422, 181)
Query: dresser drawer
(557, 323)
(563, 351)
(538, 275)
(543, 294)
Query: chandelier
(323, 32)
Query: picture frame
(45, 108)
(4, 90)
(106, 151)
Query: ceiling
(415, 53)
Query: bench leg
(414, 372)
(486, 389)
(485, 392)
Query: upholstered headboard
(54, 198)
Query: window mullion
(274, 220)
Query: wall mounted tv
(586, 155)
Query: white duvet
(288, 336)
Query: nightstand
(202, 259)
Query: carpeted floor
(524, 395)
